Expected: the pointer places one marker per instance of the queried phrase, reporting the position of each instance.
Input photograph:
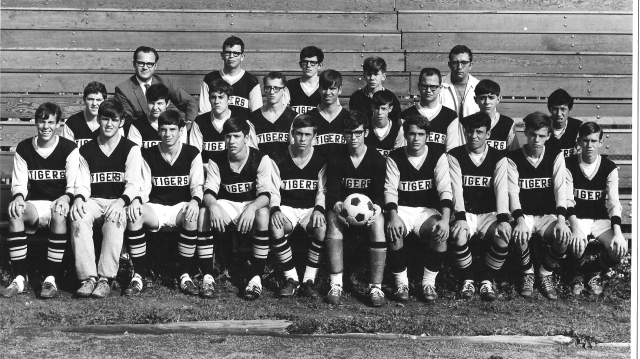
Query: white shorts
(167, 215)
(539, 224)
(233, 209)
(594, 227)
(480, 223)
(414, 217)
(297, 216)
(43, 210)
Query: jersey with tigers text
(329, 137)
(299, 186)
(567, 141)
(590, 195)
(537, 195)
(82, 134)
(387, 144)
(273, 137)
(439, 124)
(150, 136)
(171, 183)
(212, 139)
(238, 186)
(300, 102)
(239, 100)
(417, 187)
(107, 173)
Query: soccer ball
(357, 209)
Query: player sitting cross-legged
(171, 193)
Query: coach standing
(458, 87)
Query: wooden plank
(615, 142)
(219, 327)
(529, 63)
(588, 23)
(515, 42)
(514, 5)
(13, 60)
(6, 168)
(25, 106)
(615, 112)
(192, 41)
(198, 21)
(15, 131)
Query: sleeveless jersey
(81, 131)
(300, 102)
(417, 188)
(499, 133)
(238, 187)
(385, 145)
(537, 196)
(47, 176)
(170, 184)
(590, 195)
(150, 136)
(439, 124)
(107, 173)
(329, 139)
(567, 142)
(477, 181)
(239, 99)
(360, 101)
(299, 185)
(212, 140)
(273, 138)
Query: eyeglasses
(275, 89)
(425, 87)
(143, 64)
(356, 133)
(231, 53)
(456, 63)
(310, 63)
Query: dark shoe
(429, 293)
(252, 292)
(187, 287)
(207, 290)
(86, 288)
(547, 288)
(526, 285)
(290, 289)
(402, 293)
(468, 289)
(13, 289)
(377, 297)
(135, 287)
(594, 286)
(48, 290)
(334, 295)
(309, 289)
(102, 289)
(577, 285)
(486, 292)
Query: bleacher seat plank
(517, 42)
(522, 22)
(199, 20)
(192, 41)
(6, 167)
(524, 5)
(549, 62)
(611, 112)
(615, 142)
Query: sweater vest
(300, 102)
(330, 137)
(273, 138)
(234, 186)
(81, 131)
(567, 142)
(239, 99)
(385, 145)
(417, 188)
(590, 195)
(107, 172)
(438, 125)
(537, 195)
(212, 140)
(170, 184)
(299, 186)
(150, 136)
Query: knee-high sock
(496, 256)
(377, 258)
(551, 261)
(55, 253)
(314, 257)
(600, 263)
(17, 243)
(282, 250)
(205, 246)
(335, 253)
(260, 251)
(577, 263)
(186, 249)
(523, 259)
(397, 260)
(432, 265)
(463, 260)
(137, 243)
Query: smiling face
(329, 95)
(232, 57)
(157, 108)
(92, 103)
(235, 142)
(109, 126)
(46, 128)
(170, 134)
(141, 65)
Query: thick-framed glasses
(356, 133)
(426, 87)
(275, 89)
(143, 64)
(458, 63)
(310, 63)
(231, 53)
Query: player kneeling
(417, 175)
(171, 193)
(237, 191)
(593, 209)
(301, 202)
(481, 204)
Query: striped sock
(462, 260)
(282, 250)
(260, 251)
(524, 260)
(313, 260)
(496, 256)
(186, 249)
(137, 243)
(55, 253)
(600, 263)
(551, 261)
(17, 243)
(205, 246)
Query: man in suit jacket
(131, 92)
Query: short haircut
(304, 120)
(48, 109)
(274, 75)
(355, 120)
(537, 121)
(417, 120)
(111, 109)
(220, 86)
(95, 87)
(486, 87)
(430, 71)
(171, 118)
(233, 41)
(461, 49)
(589, 128)
(236, 124)
(145, 49)
(382, 97)
(330, 78)
(560, 97)
(374, 65)
(157, 92)
(311, 51)
(477, 120)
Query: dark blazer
(130, 95)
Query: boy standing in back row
(304, 92)
(375, 72)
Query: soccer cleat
(206, 290)
(13, 289)
(468, 289)
(486, 292)
(102, 289)
(309, 289)
(577, 285)
(377, 297)
(547, 288)
(187, 287)
(402, 293)
(429, 293)
(135, 287)
(48, 290)
(252, 291)
(335, 294)
(290, 289)
(86, 288)
(594, 286)
(526, 285)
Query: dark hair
(430, 71)
(536, 121)
(48, 109)
(221, 86)
(233, 41)
(461, 49)
(330, 78)
(417, 120)
(304, 120)
(236, 124)
(112, 109)
(589, 128)
(374, 65)
(355, 120)
(275, 75)
(95, 87)
(311, 51)
(477, 120)
(560, 97)
(146, 49)
(171, 118)
(382, 97)
(486, 87)
(157, 92)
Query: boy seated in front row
(538, 203)
(237, 191)
(386, 134)
(593, 209)
(108, 180)
(171, 193)
(375, 72)
(481, 204)
(301, 202)
(48, 164)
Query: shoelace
(528, 281)
(546, 283)
(254, 288)
(594, 282)
(486, 288)
(335, 290)
(402, 288)
(429, 289)
(468, 286)
(207, 286)
(376, 292)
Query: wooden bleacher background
(52, 49)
